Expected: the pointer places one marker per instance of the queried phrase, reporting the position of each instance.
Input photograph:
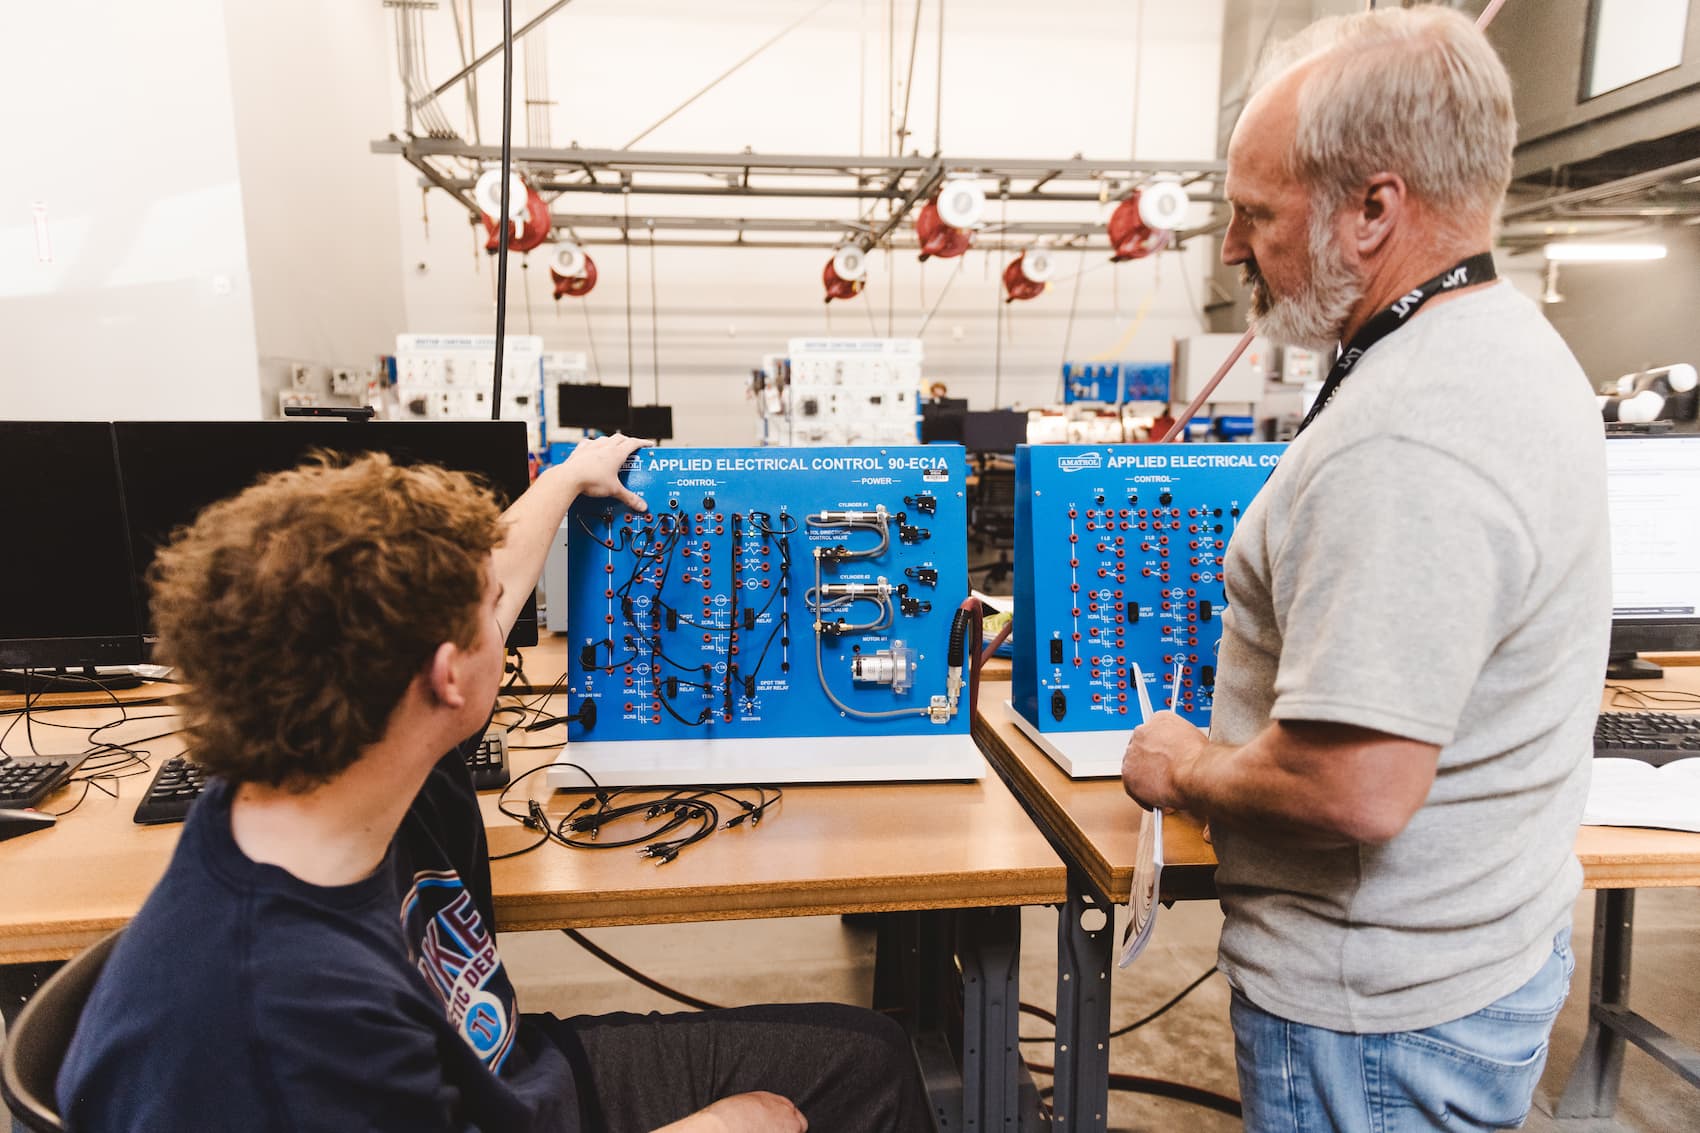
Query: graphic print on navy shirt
(450, 945)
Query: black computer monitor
(941, 420)
(607, 409)
(1653, 487)
(173, 469)
(66, 586)
(995, 430)
(653, 422)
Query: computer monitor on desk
(606, 409)
(652, 422)
(1653, 487)
(66, 585)
(173, 469)
(994, 431)
(941, 420)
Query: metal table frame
(1591, 1090)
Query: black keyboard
(1652, 737)
(25, 782)
(173, 790)
(488, 762)
(178, 782)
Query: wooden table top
(1098, 824)
(823, 849)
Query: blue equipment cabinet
(1119, 563)
(770, 595)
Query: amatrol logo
(1081, 463)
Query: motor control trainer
(1119, 558)
(772, 612)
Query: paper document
(1628, 792)
(1147, 861)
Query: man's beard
(1314, 316)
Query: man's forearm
(1323, 784)
(1251, 786)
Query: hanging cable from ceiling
(1068, 328)
(504, 228)
(464, 44)
(537, 101)
(728, 73)
(961, 262)
(938, 94)
(997, 299)
(654, 321)
(626, 240)
(590, 340)
(1138, 75)
(909, 79)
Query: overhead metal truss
(883, 190)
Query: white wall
(135, 301)
(1015, 84)
(308, 79)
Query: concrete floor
(823, 958)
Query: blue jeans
(1478, 1072)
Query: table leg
(1591, 1090)
(1080, 1101)
(953, 980)
(988, 947)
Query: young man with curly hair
(320, 953)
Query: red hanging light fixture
(938, 238)
(845, 273)
(573, 272)
(526, 211)
(1145, 222)
(1027, 276)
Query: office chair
(38, 1039)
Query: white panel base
(837, 759)
(1084, 755)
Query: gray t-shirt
(1429, 560)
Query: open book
(1628, 792)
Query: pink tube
(1210, 386)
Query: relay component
(1119, 559)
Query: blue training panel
(1115, 382)
(696, 620)
(1119, 552)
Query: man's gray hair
(1415, 91)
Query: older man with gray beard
(1419, 605)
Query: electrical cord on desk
(1627, 696)
(30, 710)
(677, 809)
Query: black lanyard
(1476, 269)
